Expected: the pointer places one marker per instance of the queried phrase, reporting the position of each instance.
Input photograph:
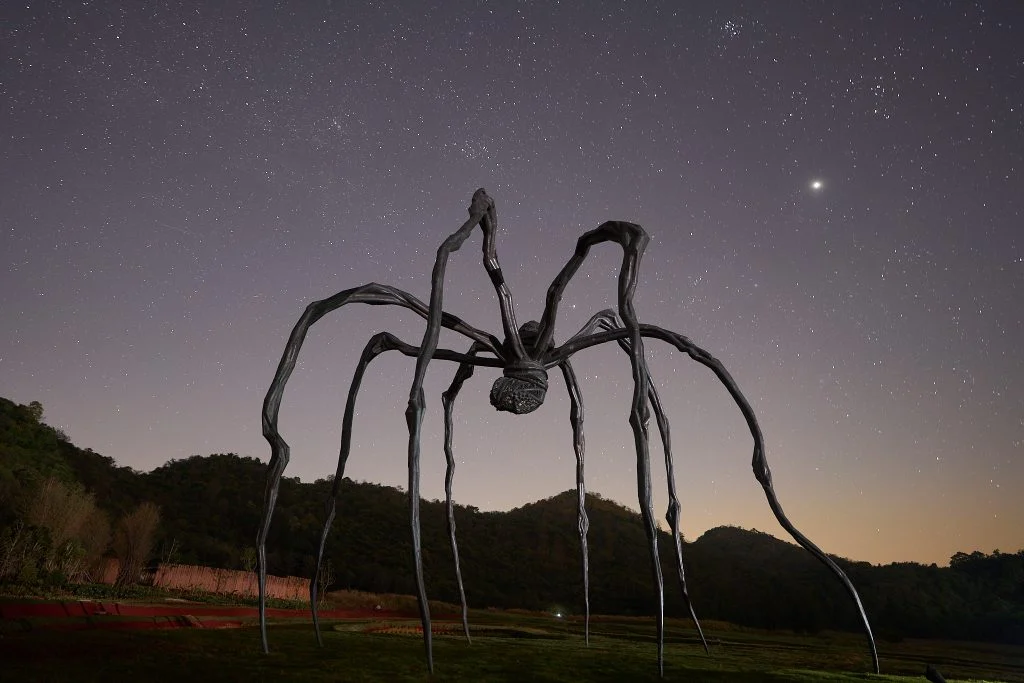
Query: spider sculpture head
(524, 355)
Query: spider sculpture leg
(378, 344)
(672, 515)
(633, 240)
(759, 461)
(464, 372)
(482, 213)
(582, 522)
(607, 320)
(373, 294)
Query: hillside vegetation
(209, 509)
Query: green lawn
(505, 648)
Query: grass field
(505, 647)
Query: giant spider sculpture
(525, 355)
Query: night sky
(833, 192)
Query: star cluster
(833, 192)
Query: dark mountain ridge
(528, 557)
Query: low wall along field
(228, 582)
(186, 577)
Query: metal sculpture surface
(525, 354)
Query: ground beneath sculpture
(506, 647)
(93, 614)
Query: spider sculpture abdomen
(521, 389)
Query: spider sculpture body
(525, 354)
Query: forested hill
(526, 558)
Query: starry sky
(833, 192)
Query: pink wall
(187, 577)
(228, 581)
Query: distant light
(817, 185)
(558, 615)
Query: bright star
(817, 185)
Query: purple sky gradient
(833, 192)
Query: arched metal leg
(639, 416)
(583, 523)
(481, 206)
(464, 372)
(672, 515)
(633, 240)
